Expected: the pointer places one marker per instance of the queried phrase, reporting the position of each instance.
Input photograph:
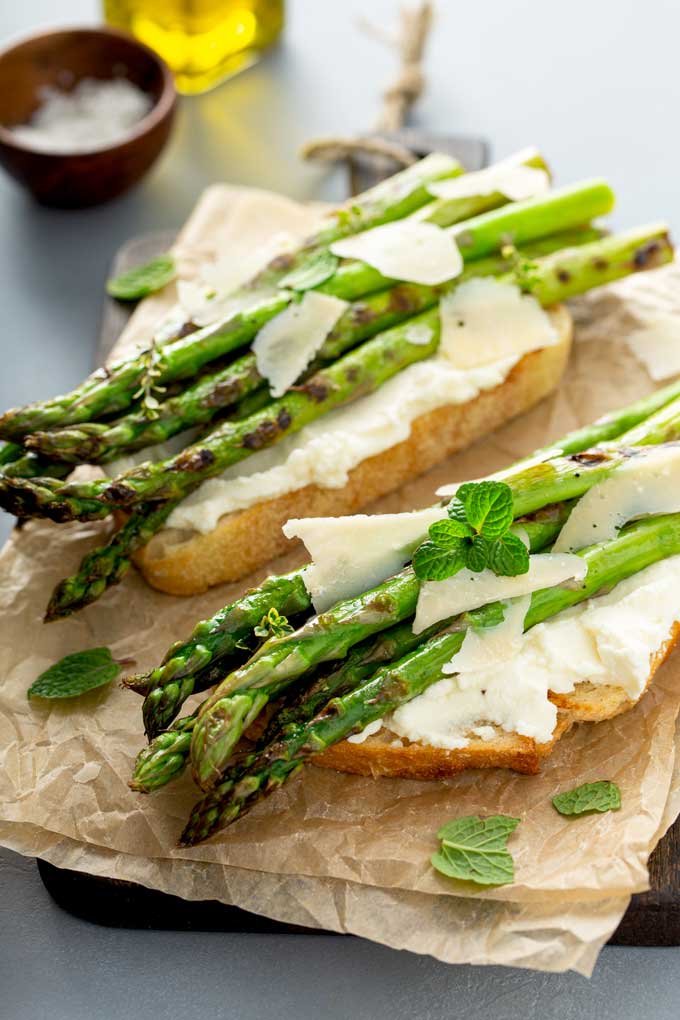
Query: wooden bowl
(62, 59)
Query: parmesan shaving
(489, 646)
(466, 590)
(657, 346)
(647, 484)
(351, 555)
(204, 307)
(513, 182)
(485, 320)
(209, 296)
(287, 343)
(405, 250)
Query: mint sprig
(588, 798)
(476, 535)
(475, 849)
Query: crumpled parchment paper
(340, 852)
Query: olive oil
(202, 41)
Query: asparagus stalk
(111, 390)
(165, 758)
(99, 442)
(106, 565)
(16, 463)
(361, 371)
(637, 547)
(9, 453)
(215, 643)
(102, 442)
(279, 662)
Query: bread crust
(188, 563)
(379, 756)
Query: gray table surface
(595, 85)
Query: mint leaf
(447, 534)
(75, 674)
(456, 511)
(142, 280)
(488, 507)
(508, 556)
(432, 563)
(318, 268)
(590, 797)
(477, 553)
(475, 849)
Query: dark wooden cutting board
(652, 919)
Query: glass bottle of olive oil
(202, 41)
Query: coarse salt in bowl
(84, 113)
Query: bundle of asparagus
(212, 385)
(343, 669)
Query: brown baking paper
(342, 852)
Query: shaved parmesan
(351, 555)
(405, 250)
(647, 484)
(207, 294)
(488, 646)
(439, 600)
(657, 346)
(204, 307)
(484, 320)
(514, 182)
(287, 343)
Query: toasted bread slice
(385, 754)
(188, 563)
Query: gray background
(593, 83)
